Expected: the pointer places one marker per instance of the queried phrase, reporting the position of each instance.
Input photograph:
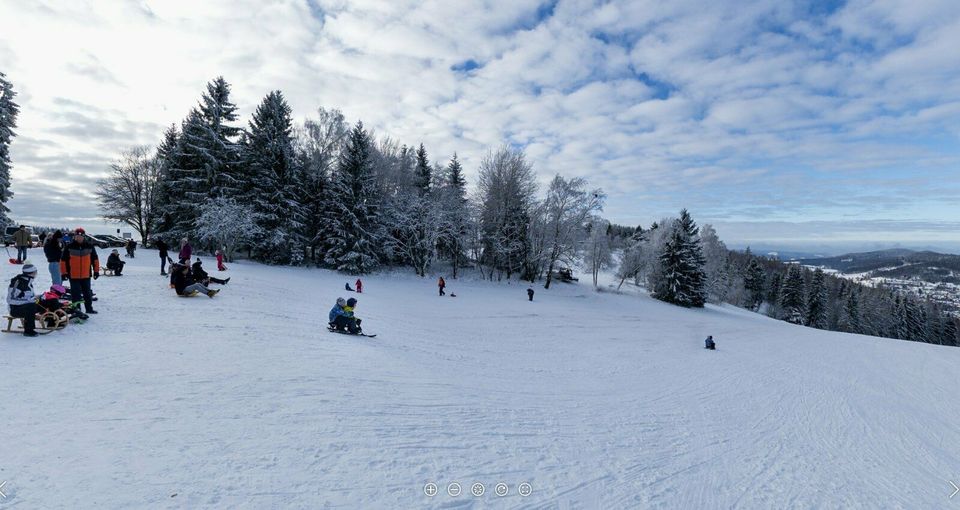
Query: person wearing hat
(22, 239)
(114, 263)
(78, 262)
(53, 250)
(341, 316)
(22, 301)
(203, 277)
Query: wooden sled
(46, 322)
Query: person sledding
(22, 300)
(186, 286)
(57, 299)
(115, 264)
(203, 277)
(342, 318)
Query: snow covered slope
(597, 400)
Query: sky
(793, 123)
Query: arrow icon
(955, 489)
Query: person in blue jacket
(341, 316)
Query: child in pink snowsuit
(359, 286)
(220, 266)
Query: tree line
(327, 193)
(336, 195)
(687, 265)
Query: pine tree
(166, 152)
(205, 163)
(850, 314)
(268, 154)
(682, 280)
(353, 230)
(773, 291)
(950, 331)
(8, 121)
(458, 215)
(186, 187)
(791, 295)
(219, 141)
(816, 310)
(423, 175)
(753, 282)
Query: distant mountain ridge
(896, 263)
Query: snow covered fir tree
(323, 193)
(8, 121)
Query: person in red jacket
(78, 259)
(359, 286)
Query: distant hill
(896, 263)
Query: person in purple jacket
(185, 251)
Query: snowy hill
(597, 400)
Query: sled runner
(333, 330)
(46, 322)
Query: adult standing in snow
(359, 286)
(164, 255)
(530, 293)
(22, 300)
(22, 239)
(186, 251)
(442, 284)
(43, 238)
(79, 257)
(53, 250)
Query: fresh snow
(598, 400)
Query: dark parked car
(113, 240)
(98, 242)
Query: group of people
(342, 317)
(76, 261)
(186, 251)
(190, 280)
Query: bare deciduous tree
(567, 209)
(128, 195)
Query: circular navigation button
(453, 489)
(501, 489)
(430, 489)
(524, 489)
(477, 489)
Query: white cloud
(749, 108)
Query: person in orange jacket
(79, 259)
(441, 284)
